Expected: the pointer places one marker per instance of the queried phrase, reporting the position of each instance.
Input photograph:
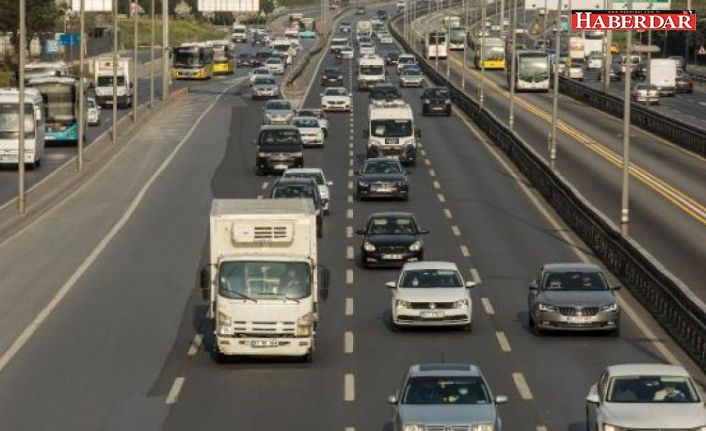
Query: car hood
(279, 112)
(382, 177)
(391, 239)
(431, 294)
(655, 415)
(265, 86)
(595, 298)
(448, 414)
(331, 97)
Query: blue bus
(60, 94)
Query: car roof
(278, 127)
(571, 266)
(444, 369)
(647, 370)
(412, 266)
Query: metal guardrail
(671, 302)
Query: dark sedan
(391, 239)
(382, 178)
(684, 82)
(332, 76)
(639, 71)
(298, 188)
(436, 101)
(245, 59)
(261, 57)
(391, 58)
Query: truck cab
(391, 131)
(103, 69)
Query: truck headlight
(412, 427)
(262, 154)
(224, 319)
(461, 303)
(402, 304)
(482, 427)
(546, 307)
(304, 325)
(368, 247)
(416, 246)
(607, 427)
(298, 154)
(610, 308)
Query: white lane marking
(464, 251)
(349, 387)
(173, 394)
(522, 386)
(350, 162)
(349, 276)
(423, 152)
(349, 213)
(195, 345)
(487, 306)
(432, 173)
(349, 307)
(259, 196)
(541, 428)
(456, 230)
(447, 213)
(437, 185)
(348, 342)
(441, 197)
(39, 319)
(264, 185)
(350, 199)
(350, 172)
(351, 153)
(503, 341)
(427, 162)
(349, 253)
(702, 103)
(476, 275)
(350, 429)
(349, 231)
(350, 185)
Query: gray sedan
(572, 296)
(265, 87)
(445, 397)
(278, 111)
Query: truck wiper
(291, 299)
(244, 296)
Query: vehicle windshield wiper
(244, 296)
(289, 298)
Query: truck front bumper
(265, 346)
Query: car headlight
(427, 101)
(262, 154)
(482, 427)
(298, 154)
(224, 319)
(412, 427)
(546, 307)
(416, 246)
(610, 308)
(368, 247)
(461, 303)
(304, 325)
(402, 304)
(362, 184)
(448, 102)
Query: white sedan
(274, 66)
(366, 48)
(386, 39)
(318, 176)
(347, 53)
(431, 294)
(336, 99)
(309, 130)
(258, 71)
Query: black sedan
(245, 59)
(684, 82)
(391, 58)
(384, 91)
(382, 178)
(391, 239)
(639, 71)
(436, 101)
(261, 57)
(332, 76)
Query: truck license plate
(432, 314)
(579, 320)
(264, 343)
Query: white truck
(263, 278)
(34, 122)
(103, 81)
(239, 33)
(391, 131)
(370, 71)
(663, 75)
(364, 28)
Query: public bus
(10, 131)
(457, 38)
(223, 57)
(435, 45)
(493, 56)
(60, 96)
(532, 71)
(193, 61)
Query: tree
(267, 6)
(41, 16)
(182, 10)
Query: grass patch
(179, 32)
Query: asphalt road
(589, 149)
(121, 351)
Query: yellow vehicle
(223, 57)
(493, 53)
(614, 48)
(193, 61)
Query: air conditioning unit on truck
(263, 279)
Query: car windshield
(384, 92)
(652, 389)
(431, 278)
(310, 113)
(260, 72)
(316, 176)
(262, 55)
(278, 105)
(293, 191)
(331, 72)
(306, 122)
(382, 167)
(279, 137)
(580, 281)
(391, 128)
(245, 56)
(265, 81)
(393, 55)
(335, 92)
(437, 93)
(411, 71)
(392, 225)
(264, 280)
(273, 60)
(458, 390)
(407, 60)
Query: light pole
(81, 95)
(135, 97)
(152, 54)
(448, 53)
(465, 43)
(608, 61)
(165, 50)
(513, 65)
(481, 88)
(21, 114)
(624, 211)
(555, 93)
(114, 129)
(686, 39)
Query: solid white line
(348, 342)
(541, 428)
(349, 213)
(264, 185)
(522, 386)
(39, 319)
(437, 185)
(441, 197)
(503, 341)
(349, 276)
(349, 253)
(476, 275)
(173, 394)
(487, 306)
(350, 185)
(195, 345)
(349, 231)
(447, 213)
(432, 173)
(349, 387)
(456, 230)
(464, 251)
(349, 307)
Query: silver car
(278, 111)
(411, 76)
(645, 93)
(265, 87)
(572, 296)
(645, 397)
(445, 397)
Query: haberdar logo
(633, 20)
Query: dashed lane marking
(351, 153)
(349, 307)
(456, 230)
(350, 172)
(441, 197)
(349, 276)
(423, 153)
(195, 345)
(264, 185)
(437, 185)
(349, 213)
(447, 213)
(503, 341)
(350, 185)
(427, 162)
(432, 173)
(350, 162)
(349, 231)
(487, 306)
(348, 342)
(349, 253)
(173, 394)
(541, 428)
(522, 387)
(476, 275)
(349, 387)
(464, 251)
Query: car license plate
(281, 166)
(392, 256)
(391, 141)
(264, 343)
(432, 314)
(382, 189)
(579, 320)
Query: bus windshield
(457, 35)
(437, 39)
(219, 53)
(10, 121)
(187, 57)
(494, 53)
(59, 103)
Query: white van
(9, 127)
(240, 33)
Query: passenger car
(381, 178)
(384, 91)
(366, 48)
(360, 10)
(245, 59)
(405, 59)
(411, 77)
(431, 294)
(391, 57)
(277, 111)
(93, 112)
(639, 71)
(294, 188)
(260, 57)
(319, 114)
(645, 93)
(574, 297)
(344, 27)
(310, 130)
(347, 52)
(274, 65)
(317, 175)
(445, 396)
(645, 397)
(307, 34)
(385, 38)
(391, 239)
(336, 99)
(278, 148)
(332, 76)
(259, 71)
(436, 100)
(684, 82)
(265, 87)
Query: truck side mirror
(205, 283)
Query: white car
(366, 48)
(336, 99)
(93, 112)
(411, 76)
(318, 176)
(319, 114)
(274, 66)
(386, 38)
(431, 294)
(347, 53)
(258, 71)
(645, 397)
(309, 130)
(404, 60)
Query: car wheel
(536, 330)
(394, 327)
(616, 331)
(448, 112)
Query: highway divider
(670, 301)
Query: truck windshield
(10, 121)
(107, 81)
(59, 102)
(391, 128)
(264, 280)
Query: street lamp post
(135, 98)
(21, 114)
(114, 128)
(481, 88)
(686, 39)
(513, 65)
(165, 50)
(152, 54)
(465, 43)
(555, 93)
(624, 211)
(608, 60)
(81, 95)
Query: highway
(667, 202)
(125, 345)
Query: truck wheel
(309, 357)
(216, 354)
(259, 171)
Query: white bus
(435, 45)
(532, 71)
(457, 38)
(9, 127)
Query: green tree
(267, 6)
(41, 16)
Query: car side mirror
(533, 285)
(360, 231)
(593, 398)
(205, 278)
(470, 284)
(391, 284)
(321, 94)
(423, 231)
(501, 399)
(350, 94)
(392, 399)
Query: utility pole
(465, 43)
(165, 50)
(608, 60)
(135, 92)
(625, 198)
(114, 130)
(21, 107)
(81, 94)
(555, 94)
(152, 54)
(686, 39)
(502, 18)
(481, 89)
(513, 65)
